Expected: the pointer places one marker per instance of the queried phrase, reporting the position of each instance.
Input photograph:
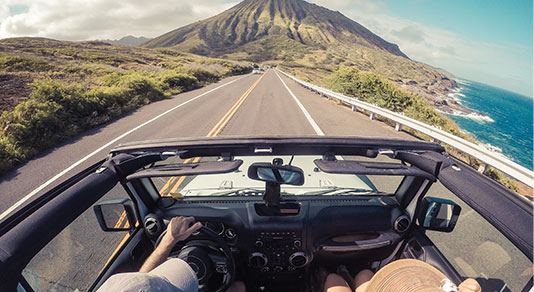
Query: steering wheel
(207, 257)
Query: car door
(56, 244)
(492, 240)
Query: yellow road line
(214, 132)
(121, 219)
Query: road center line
(214, 132)
(308, 116)
(35, 191)
(217, 129)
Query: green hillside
(52, 90)
(305, 37)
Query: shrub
(205, 76)
(178, 82)
(373, 88)
(24, 63)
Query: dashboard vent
(152, 226)
(402, 223)
(343, 201)
(215, 202)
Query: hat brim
(406, 275)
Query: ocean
(505, 121)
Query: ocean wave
(454, 96)
(474, 116)
(463, 81)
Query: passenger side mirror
(115, 215)
(439, 214)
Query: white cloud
(366, 5)
(103, 19)
(501, 65)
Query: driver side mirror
(115, 215)
(439, 214)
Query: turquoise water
(509, 126)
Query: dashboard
(286, 244)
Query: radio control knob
(278, 269)
(297, 243)
(257, 260)
(259, 243)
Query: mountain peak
(252, 20)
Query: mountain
(306, 37)
(252, 20)
(128, 41)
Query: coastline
(497, 119)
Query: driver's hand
(179, 229)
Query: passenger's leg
(361, 280)
(336, 283)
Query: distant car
(257, 71)
(275, 210)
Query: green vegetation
(78, 86)
(303, 36)
(373, 88)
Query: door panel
(476, 249)
(75, 257)
(421, 248)
(128, 258)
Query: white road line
(35, 191)
(308, 116)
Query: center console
(278, 251)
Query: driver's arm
(177, 230)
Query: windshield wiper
(244, 192)
(342, 191)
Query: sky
(488, 41)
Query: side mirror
(280, 174)
(115, 215)
(439, 214)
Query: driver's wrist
(168, 241)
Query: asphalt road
(248, 105)
(268, 109)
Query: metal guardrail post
(488, 157)
(482, 168)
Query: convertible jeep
(277, 213)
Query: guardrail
(488, 157)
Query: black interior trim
(207, 167)
(498, 205)
(27, 210)
(21, 243)
(370, 168)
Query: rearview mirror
(439, 214)
(115, 215)
(280, 174)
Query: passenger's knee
(334, 282)
(364, 275)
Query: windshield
(237, 183)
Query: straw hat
(409, 275)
